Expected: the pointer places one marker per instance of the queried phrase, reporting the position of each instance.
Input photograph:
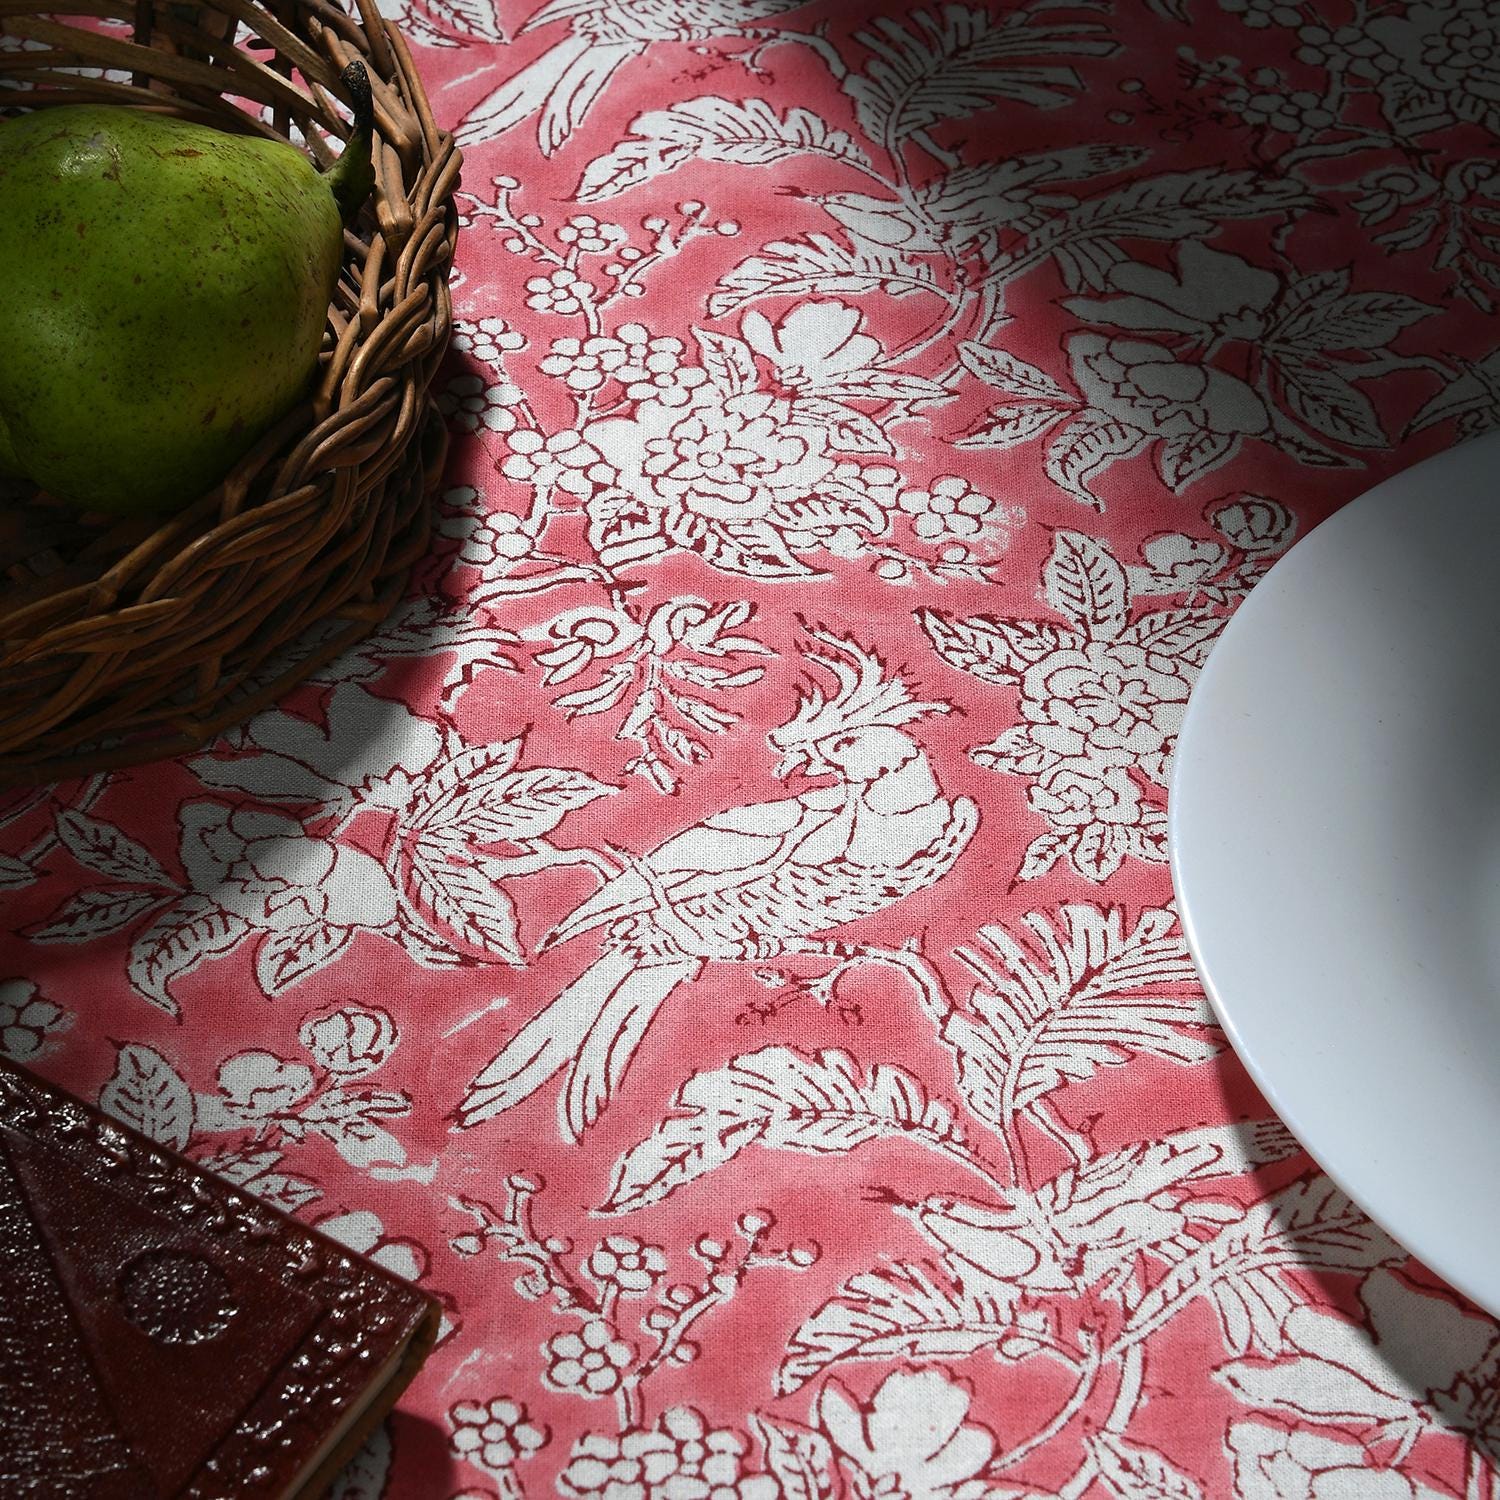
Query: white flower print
(1428, 1360)
(1450, 52)
(1147, 387)
(952, 507)
(27, 1019)
(729, 460)
(1102, 697)
(589, 1362)
(258, 1083)
(579, 637)
(590, 235)
(1106, 702)
(1272, 1462)
(584, 364)
(489, 539)
(471, 405)
(494, 1435)
(623, 1261)
(1101, 798)
(652, 367)
(349, 1039)
(913, 1433)
(266, 869)
(812, 345)
(368, 748)
(1213, 295)
(1181, 564)
(560, 460)
(681, 1456)
(488, 339)
(561, 292)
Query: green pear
(164, 293)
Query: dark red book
(165, 1334)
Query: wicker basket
(126, 641)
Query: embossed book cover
(165, 1334)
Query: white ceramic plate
(1335, 833)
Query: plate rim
(1417, 1238)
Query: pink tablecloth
(717, 935)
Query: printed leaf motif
(147, 1092)
(15, 873)
(1135, 1473)
(101, 847)
(1084, 449)
(255, 1171)
(1098, 849)
(955, 63)
(473, 20)
(781, 1099)
(836, 507)
(816, 266)
(1043, 851)
(1079, 993)
(994, 650)
(428, 626)
(1020, 190)
(800, 1459)
(1148, 838)
(1014, 376)
(1412, 107)
(1364, 320)
(267, 776)
(600, 697)
(1184, 459)
(1186, 635)
(94, 913)
(479, 796)
(728, 360)
(182, 937)
(361, 1142)
(849, 429)
(906, 1311)
(1305, 448)
(1171, 206)
(1010, 426)
(752, 548)
(1328, 403)
(1310, 1225)
(881, 385)
(1317, 1390)
(463, 900)
(285, 957)
(454, 790)
(1472, 396)
(747, 133)
(1084, 582)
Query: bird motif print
(975, 208)
(752, 883)
(1088, 1223)
(566, 80)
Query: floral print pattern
(716, 933)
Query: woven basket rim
(145, 638)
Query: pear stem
(352, 177)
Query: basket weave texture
(127, 641)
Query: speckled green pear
(164, 292)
